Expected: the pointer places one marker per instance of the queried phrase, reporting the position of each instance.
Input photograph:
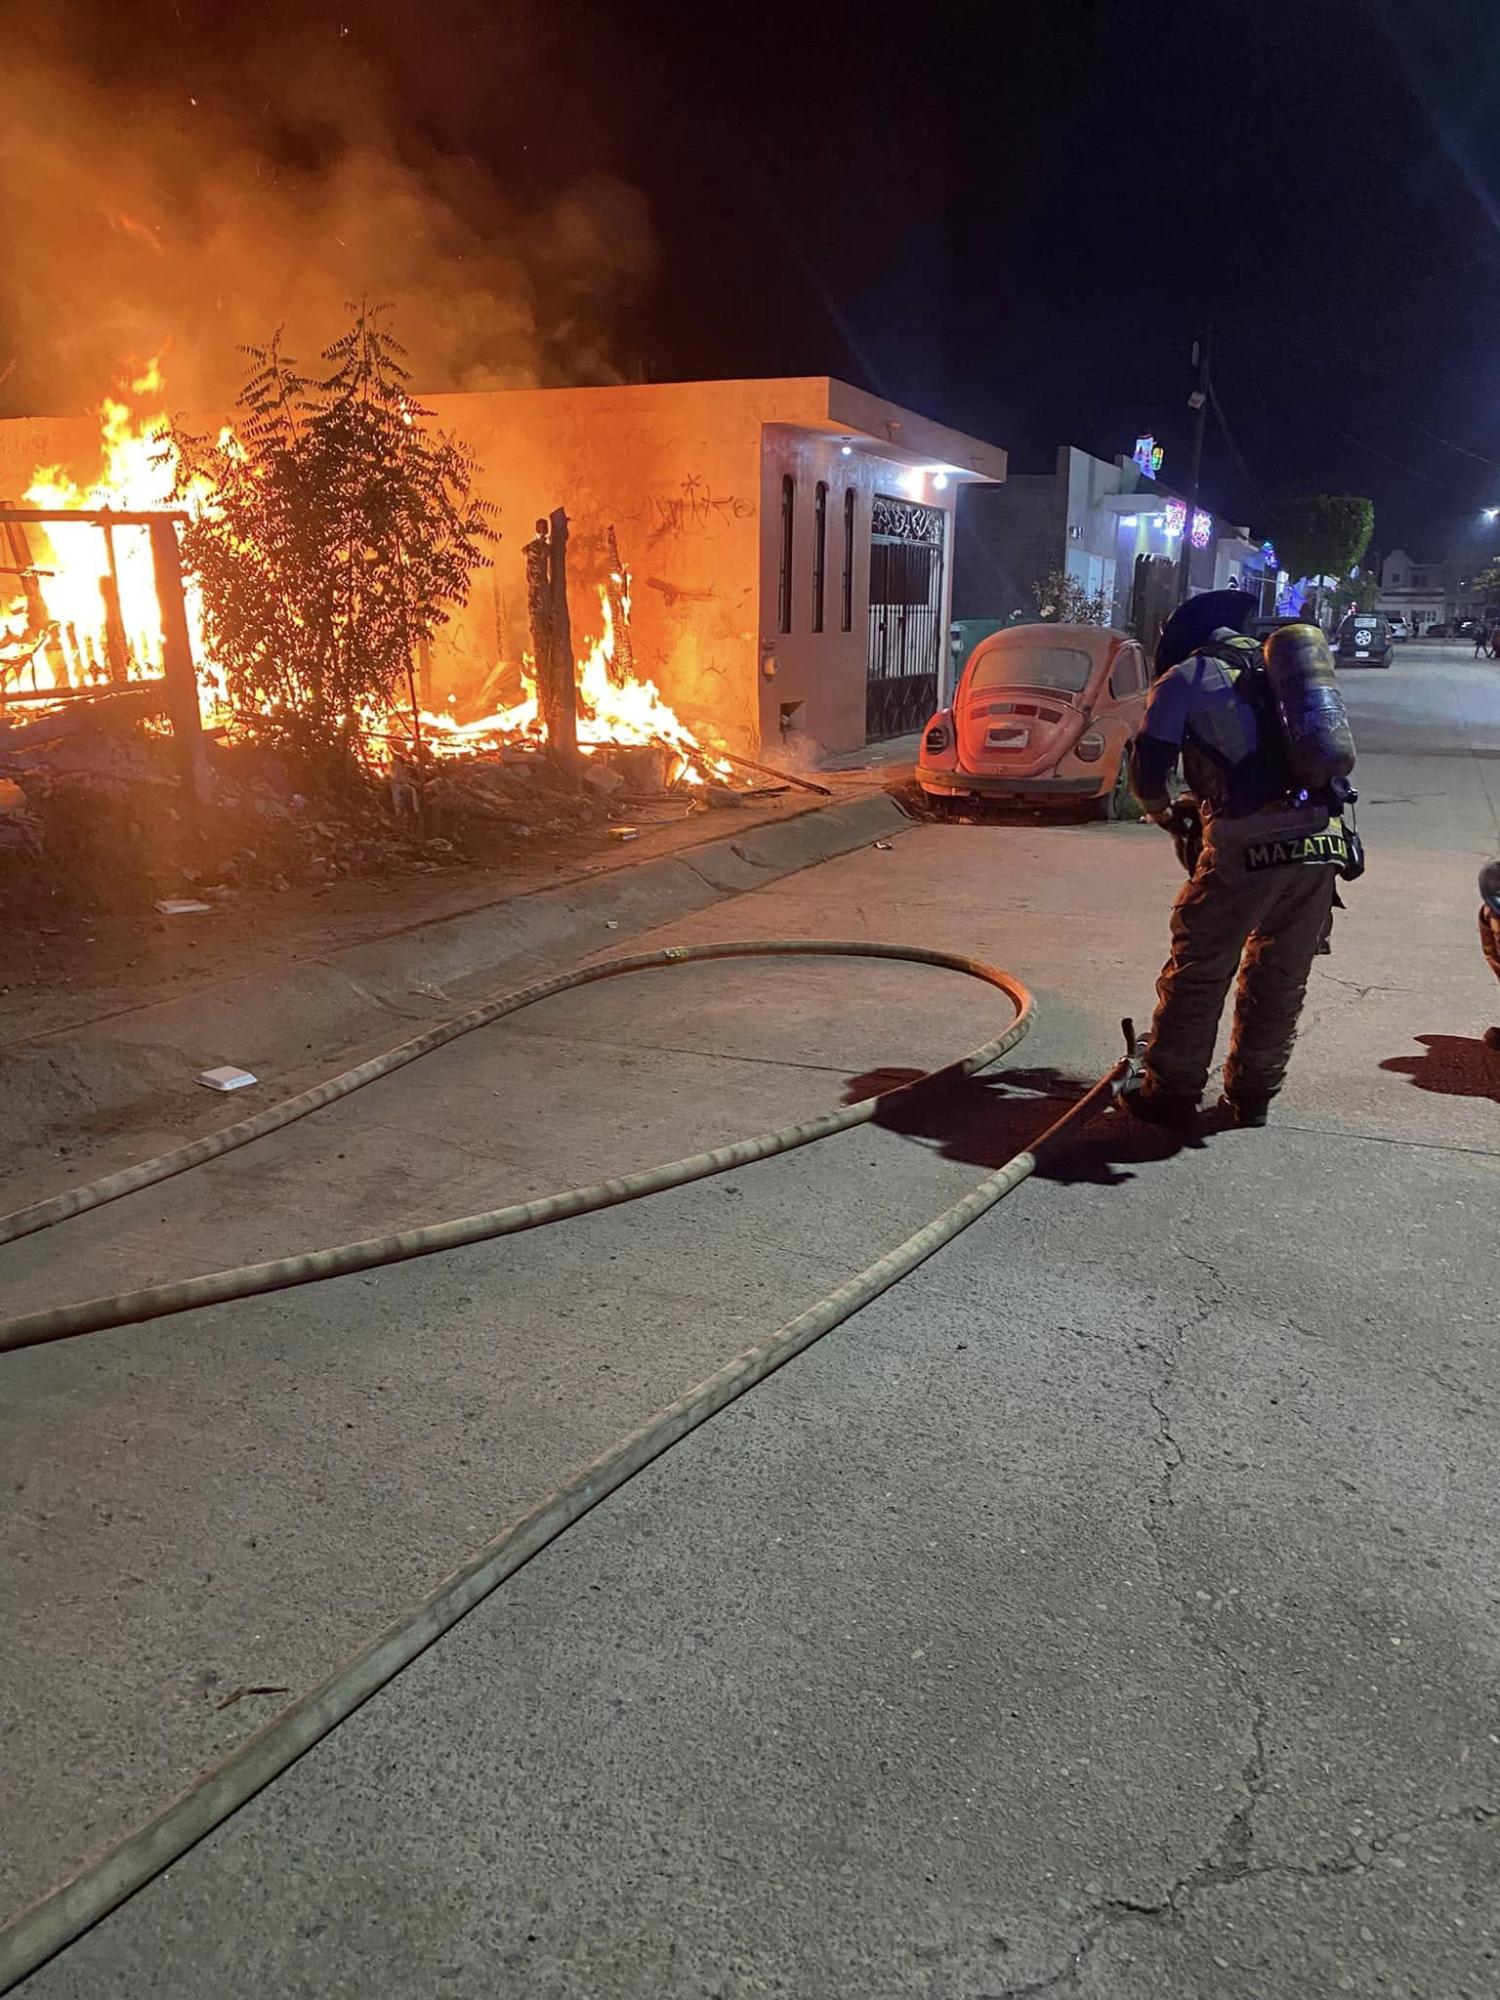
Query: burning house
(760, 566)
(790, 543)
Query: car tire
(1115, 801)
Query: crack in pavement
(1230, 1861)
(1229, 1858)
(1227, 1867)
(1364, 992)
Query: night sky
(1012, 217)
(1016, 217)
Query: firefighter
(1259, 900)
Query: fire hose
(103, 1884)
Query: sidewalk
(101, 968)
(291, 987)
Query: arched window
(788, 523)
(846, 598)
(820, 551)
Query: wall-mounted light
(847, 450)
(1130, 520)
(940, 481)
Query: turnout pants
(1251, 910)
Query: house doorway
(906, 611)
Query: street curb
(144, 1063)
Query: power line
(1327, 354)
(1235, 453)
(1400, 465)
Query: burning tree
(337, 534)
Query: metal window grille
(820, 552)
(788, 524)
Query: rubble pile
(93, 817)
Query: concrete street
(1113, 1609)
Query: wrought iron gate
(906, 607)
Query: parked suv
(1364, 639)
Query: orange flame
(630, 713)
(102, 619)
(97, 586)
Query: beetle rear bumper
(985, 785)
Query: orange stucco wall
(675, 472)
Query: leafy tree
(1062, 600)
(1356, 593)
(1323, 534)
(1486, 588)
(338, 533)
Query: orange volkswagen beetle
(1041, 712)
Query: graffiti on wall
(695, 508)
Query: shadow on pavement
(1454, 1065)
(985, 1120)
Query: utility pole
(1198, 404)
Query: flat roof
(804, 402)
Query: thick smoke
(170, 180)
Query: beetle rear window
(1060, 667)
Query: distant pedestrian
(1481, 640)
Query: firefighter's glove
(1183, 821)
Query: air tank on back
(1314, 721)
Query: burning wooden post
(552, 636)
(562, 625)
(180, 675)
(539, 612)
(617, 589)
(39, 624)
(116, 646)
(23, 567)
